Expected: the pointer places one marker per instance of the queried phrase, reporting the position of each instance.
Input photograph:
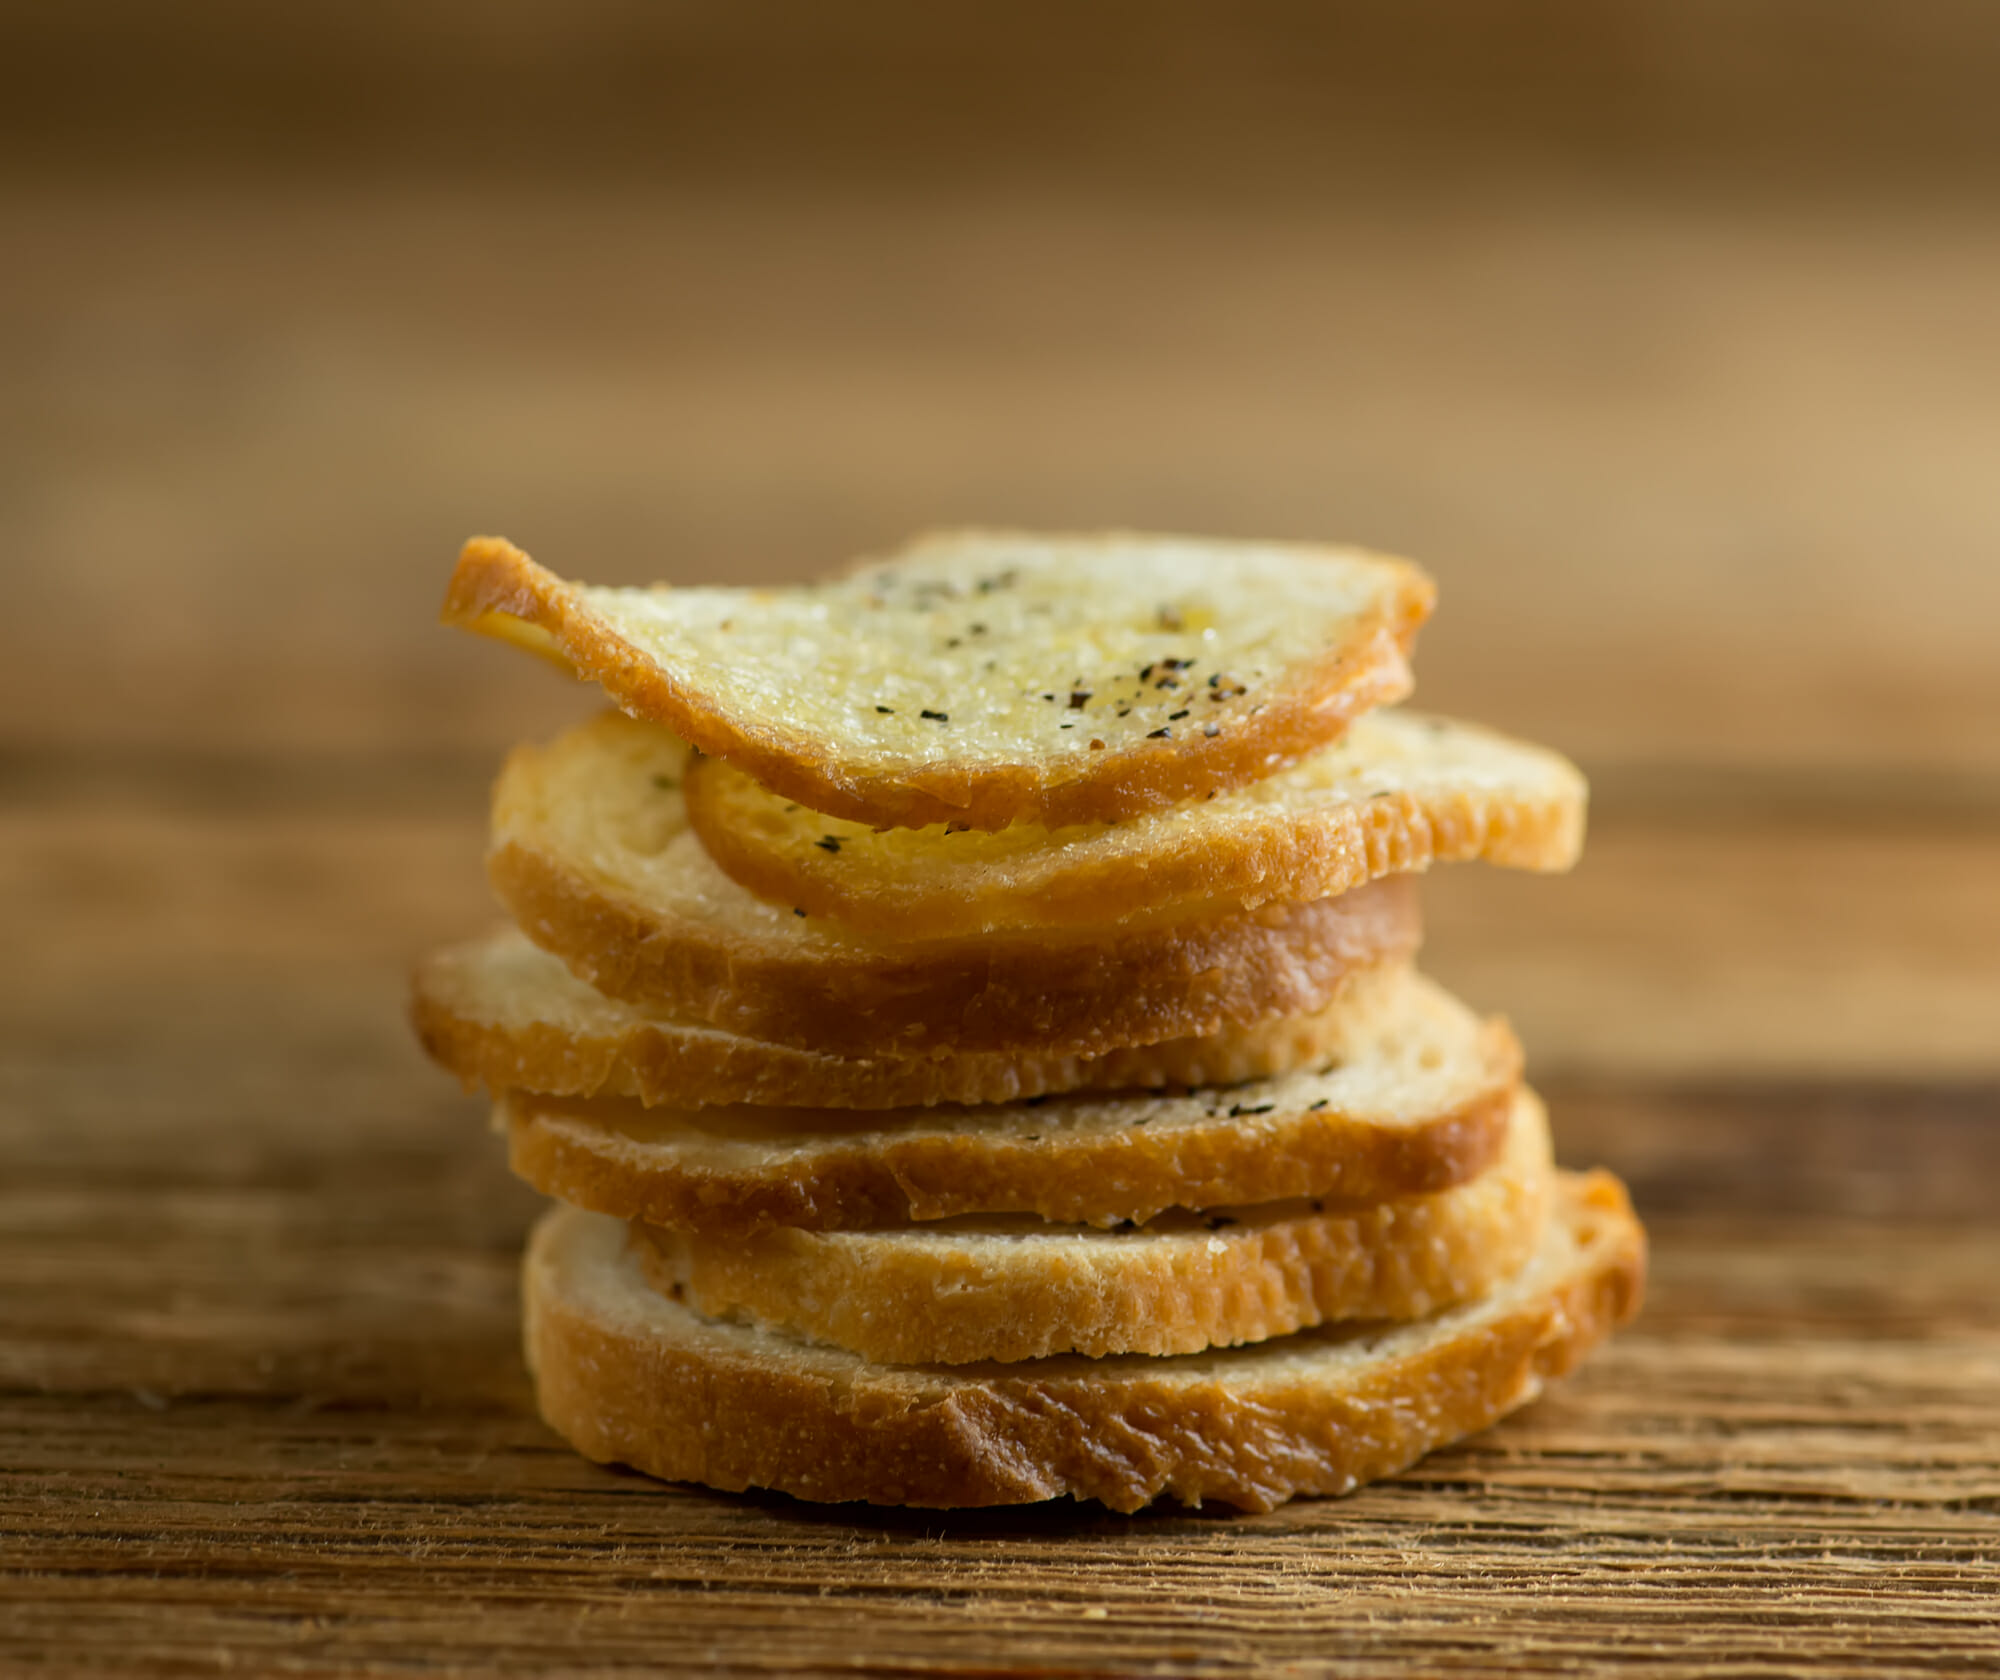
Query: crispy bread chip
(989, 677)
(503, 1014)
(1007, 1289)
(1397, 793)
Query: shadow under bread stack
(966, 1013)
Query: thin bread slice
(986, 677)
(1414, 1099)
(592, 855)
(992, 1289)
(503, 1014)
(1397, 793)
(629, 1376)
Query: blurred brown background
(1666, 332)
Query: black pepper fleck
(1237, 1110)
(827, 843)
(935, 717)
(886, 711)
(1159, 734)
(1078, 699)
(1175, 717)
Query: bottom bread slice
(631, 1376)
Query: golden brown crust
(505, 1015)
(567, 1148)
(1411, 1109)
(497, 589)
(630, 1377)
(1082, 995)
(1399, 793)
(1011, 1290)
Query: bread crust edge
(653, 1064)
(1132, 1174)
(1258, 864)
(1138, 985)
(1222, 1282)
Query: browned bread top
(989, 677)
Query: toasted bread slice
(630, 1376)
(592, 855)
(1414, 1099)
(986, 677)
(1397, 793)
(504, 1014)
(972, 1289)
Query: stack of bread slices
(965, 1011)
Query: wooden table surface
(1708, 483)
